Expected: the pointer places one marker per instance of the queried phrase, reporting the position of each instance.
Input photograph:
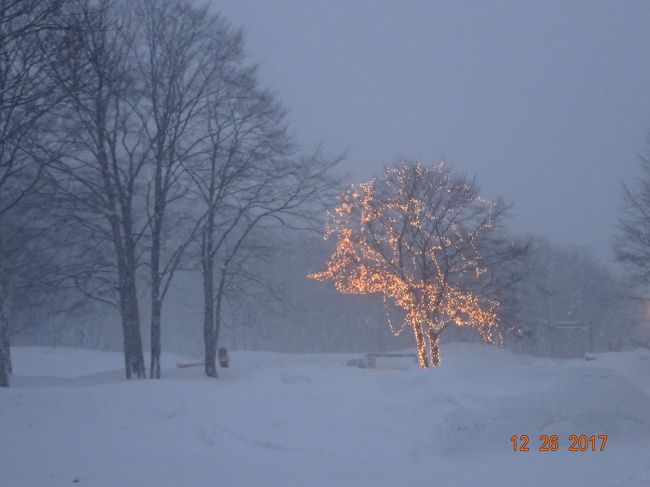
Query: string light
(413, 237)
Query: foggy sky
(547, 102)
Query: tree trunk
(156, 235)
(421, 345)
(5, 355)
(5, 333)
(210, 353)
(434, 344)
(135, 337)
(133, 351)
(133, 354)
(217, 309)
(6, 341)
(214, 317)
(5, 348)
(154, 371)
(156, 310)
(209, 339)
(125, 254)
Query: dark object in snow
(182, 365)
(590, 356)
(366, 362)
(224, 361)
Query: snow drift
(309, 420)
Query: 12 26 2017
(551, 443)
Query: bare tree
(632, 246)
(182, 52)
(98, 179)
(247, 177)
(160, 134)
(506, 277)
(415, 237)
(632, 243)
(29, 36)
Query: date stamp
(550, 443)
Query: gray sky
(547, 102)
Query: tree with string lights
(422, 238)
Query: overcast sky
(546, 102)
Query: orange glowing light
(414, 237)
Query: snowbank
(309, 420)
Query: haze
(170, 314)
(547, 103)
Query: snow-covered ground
(309, 420)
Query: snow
(310, 420)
